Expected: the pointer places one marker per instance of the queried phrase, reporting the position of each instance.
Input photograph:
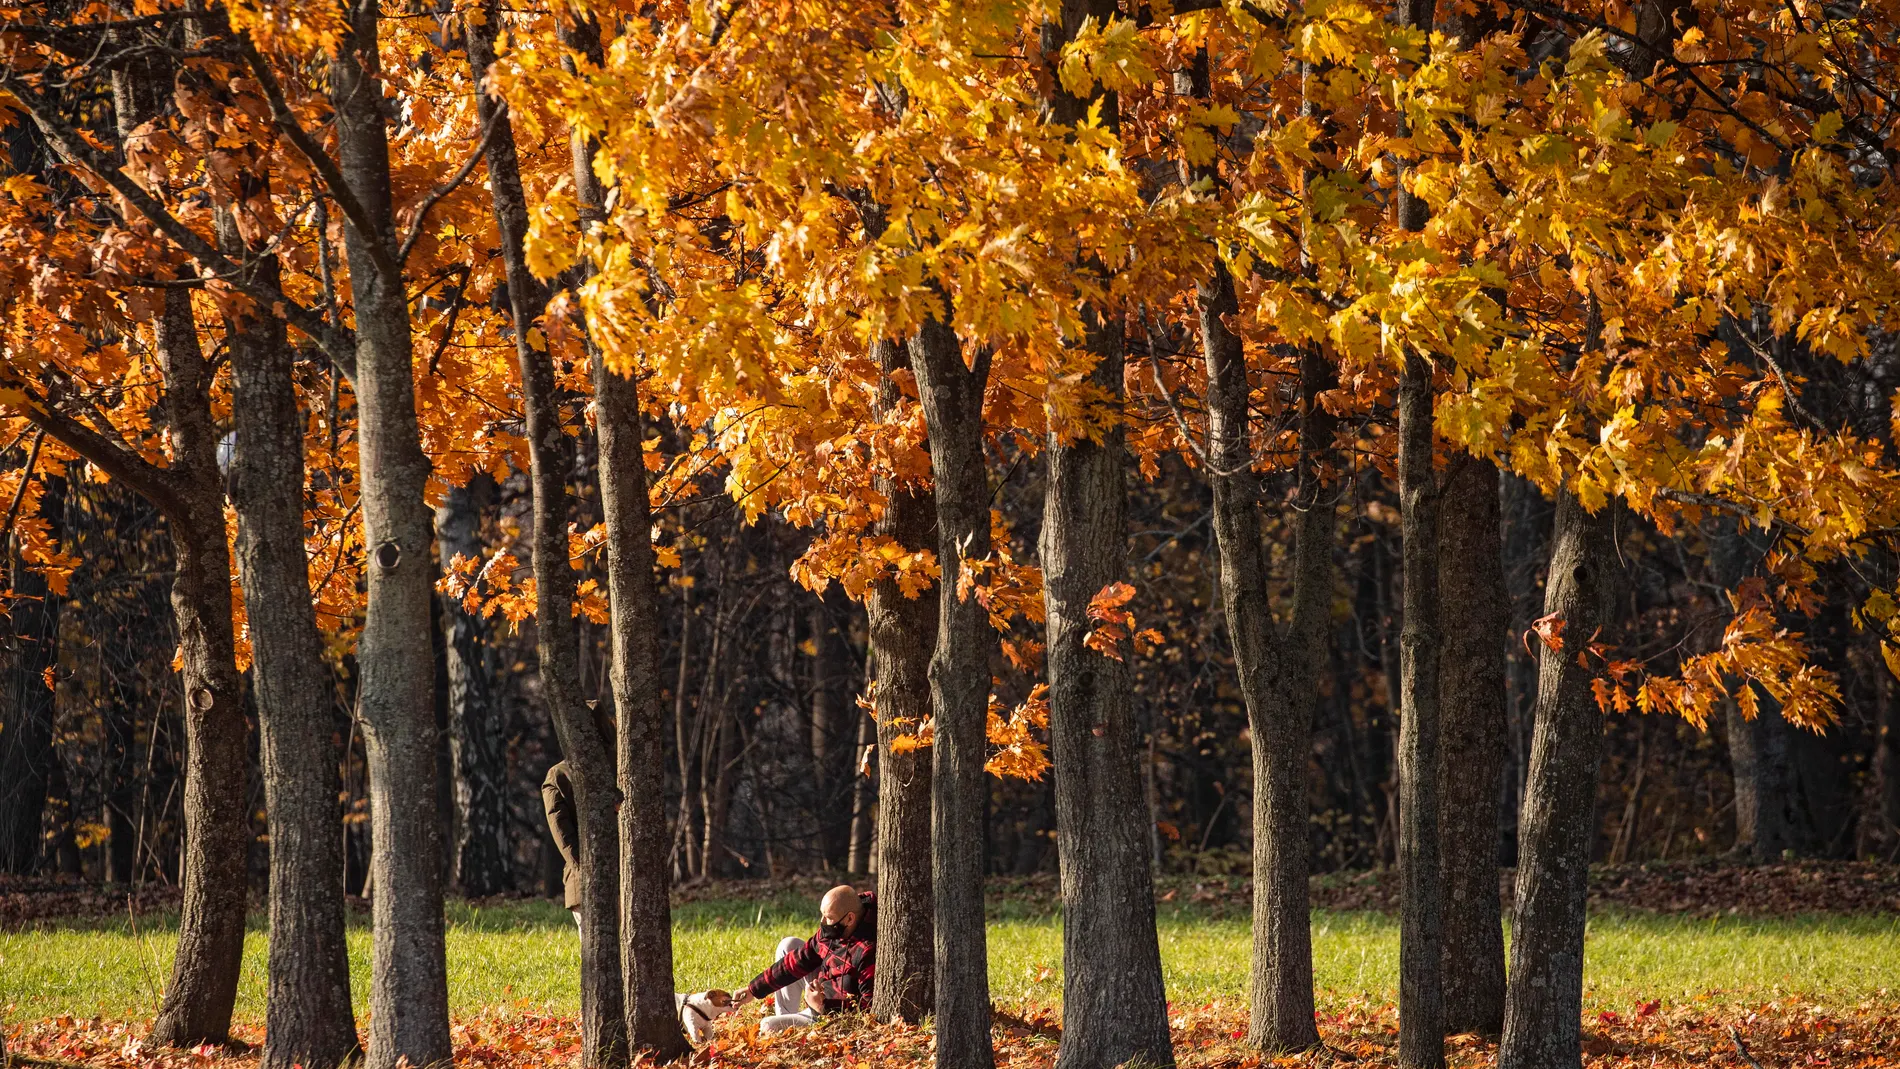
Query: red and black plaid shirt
(840, 970)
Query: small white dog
(700, 1010)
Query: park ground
(1686, 965)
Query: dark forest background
(767, 749)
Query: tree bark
(478, 761)
(590, 760)
(26, 719)
(646, 981)
(1114, 1003)
(1421, 990)
(408, 1000)
(203, 989)
(1421, 997)
(1544, 1004)
(903, 633)
(1277, 673)
(645, 883)
(1114, 1006)
(308, 1018)
(1471, 757)
(951, 393)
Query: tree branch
(387, 264)
(149, 481)
(336, 341)
(435, 195)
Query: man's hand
(814, 1001)
(744, 996)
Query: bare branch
(149, 481)
(387, 264)
(435, 195)
(336, 341)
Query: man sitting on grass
(828, 973)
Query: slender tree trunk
(903, 633)
(198, 1001)
(1544, 1004)
(26, 717)
(645, 917)
(951, 394)
(478, 761)
(858, 852)
(408, 1001)
(1421, 997)
(1421, 990)
(589, 755)
(1471, 759)
(1114, 1007)
(1277, 674)
(203, 990)
(646, 911)
(307, 1017)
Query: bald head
(840, 908)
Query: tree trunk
(590, 760)
(26, 717)
(1421, 990)
(951, 394)
(903, 633)
(308, 1018)
(1767, 817)
(1277, 674)
(408, 1001)
(478, 759)
(1114, 1007)
(1114, 1003)
(198, 1001)
(832, 730)
(1544, 1004)
(646, 911)
(858, 851)
(646, 981)
(1421, 998)
(203, 989)
(1471, 757)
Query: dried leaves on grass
(1783, 1034)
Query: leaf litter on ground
(1784, 1034)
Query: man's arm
(789, 969)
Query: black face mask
(831, 931)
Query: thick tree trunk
(1114, 1003)
(1114, 1007)
(26, 717)
(308, 1019)
(1544, 1005)
(590, 758)
(1471, 756)
(903, 633)
(408, 1002)
(478, 759)
(951, 393)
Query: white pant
(789, 1000)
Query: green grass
(525, 955)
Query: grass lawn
(525, 955)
